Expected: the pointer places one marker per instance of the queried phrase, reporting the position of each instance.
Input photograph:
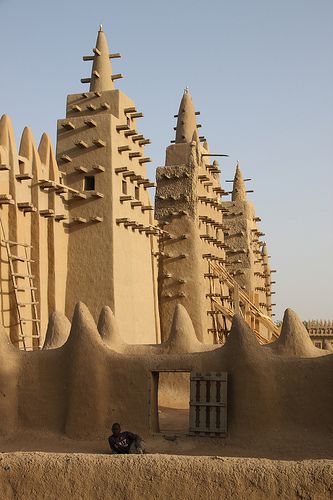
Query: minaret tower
(188, 209)
(246, 257)
(111, 232)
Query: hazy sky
(259, 71)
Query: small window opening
(89, 183)
(124, 187)
(137, 193)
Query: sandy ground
(173, 419)
(173, 443)
(174, 440)
(30, 476)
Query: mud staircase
(24, 292)
(224, 307)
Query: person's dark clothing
(122, 443)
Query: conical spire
(239, 189)
(182, 336)
(27, 145)
(28, 149)
(294, 339)
(242, 341)
(101, 74)
(47, 157)
(57, 331)
(186, 124)
(108, 328)
(7, 138)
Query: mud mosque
(182, 285)
(75, 225)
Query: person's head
(116, 429)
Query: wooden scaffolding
(223, 306)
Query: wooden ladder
(21, 283)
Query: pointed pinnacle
(27, 144)
(239, 190)
(186, 123)
(101, 73)
(6, 131)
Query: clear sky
(260, 72)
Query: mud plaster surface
(87, 476)
(280, 409)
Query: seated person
(125, 442)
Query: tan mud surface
(30, 476)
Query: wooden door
(208, 404)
